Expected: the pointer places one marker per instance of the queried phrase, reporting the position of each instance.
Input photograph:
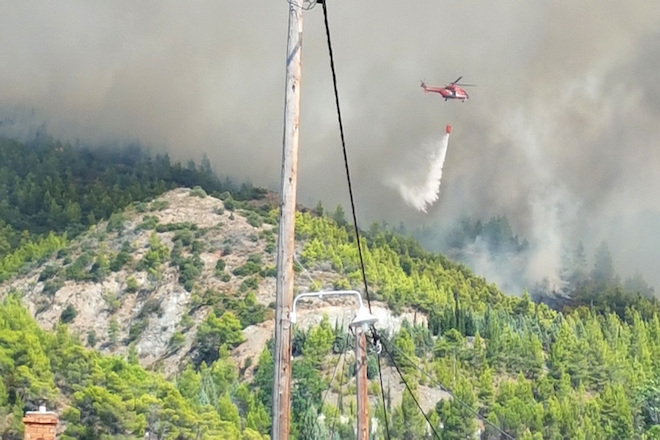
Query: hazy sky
(561, 135)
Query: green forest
(582, 363)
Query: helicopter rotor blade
(457, 80)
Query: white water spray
(423, 193)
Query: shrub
(77, 271)
(113, 332)
(52, 286)
(156, 255)
(150, 307)
(176, 256)
(42, 305)
(189, 270)
(68, 314)
(249, 284)
(115, 222)
(159, 205)
(169, 227)
(132, 285)
(187, 321)
(99, 269)
(122, 258)
(198, 191)
(185, 236)
(269, 271)
(177, 341)
(111, 301)
(62, 253)
(253, 219)
(137, 328)
(249, 268)
(148, 222)
(341, 284)
(229, 203)
(215, 332)
(91, 338)
(197, 247)
(48, 272)
(247, 309)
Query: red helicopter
(453, 90)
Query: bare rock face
(145, 308)
(142, 308)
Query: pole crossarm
(320, 295)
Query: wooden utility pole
(285, 243)
(361, 384)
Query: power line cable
(334, 371)
(304, 270)
(341, 382)
(444, 388)
(382, 392)
(350, 192)
(405, 382)
(343, 145)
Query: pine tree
(311, 428)
(486, 392)
(457, 414)
(408, 423)
(616, 414)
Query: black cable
(341, 382)
(350, 193)
(405, 382)
(343, 352)
(343, 146)
(382, 394)
(444, 388)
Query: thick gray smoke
(561, 134)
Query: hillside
(172, 298)
(156, 311)
(143, 299)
